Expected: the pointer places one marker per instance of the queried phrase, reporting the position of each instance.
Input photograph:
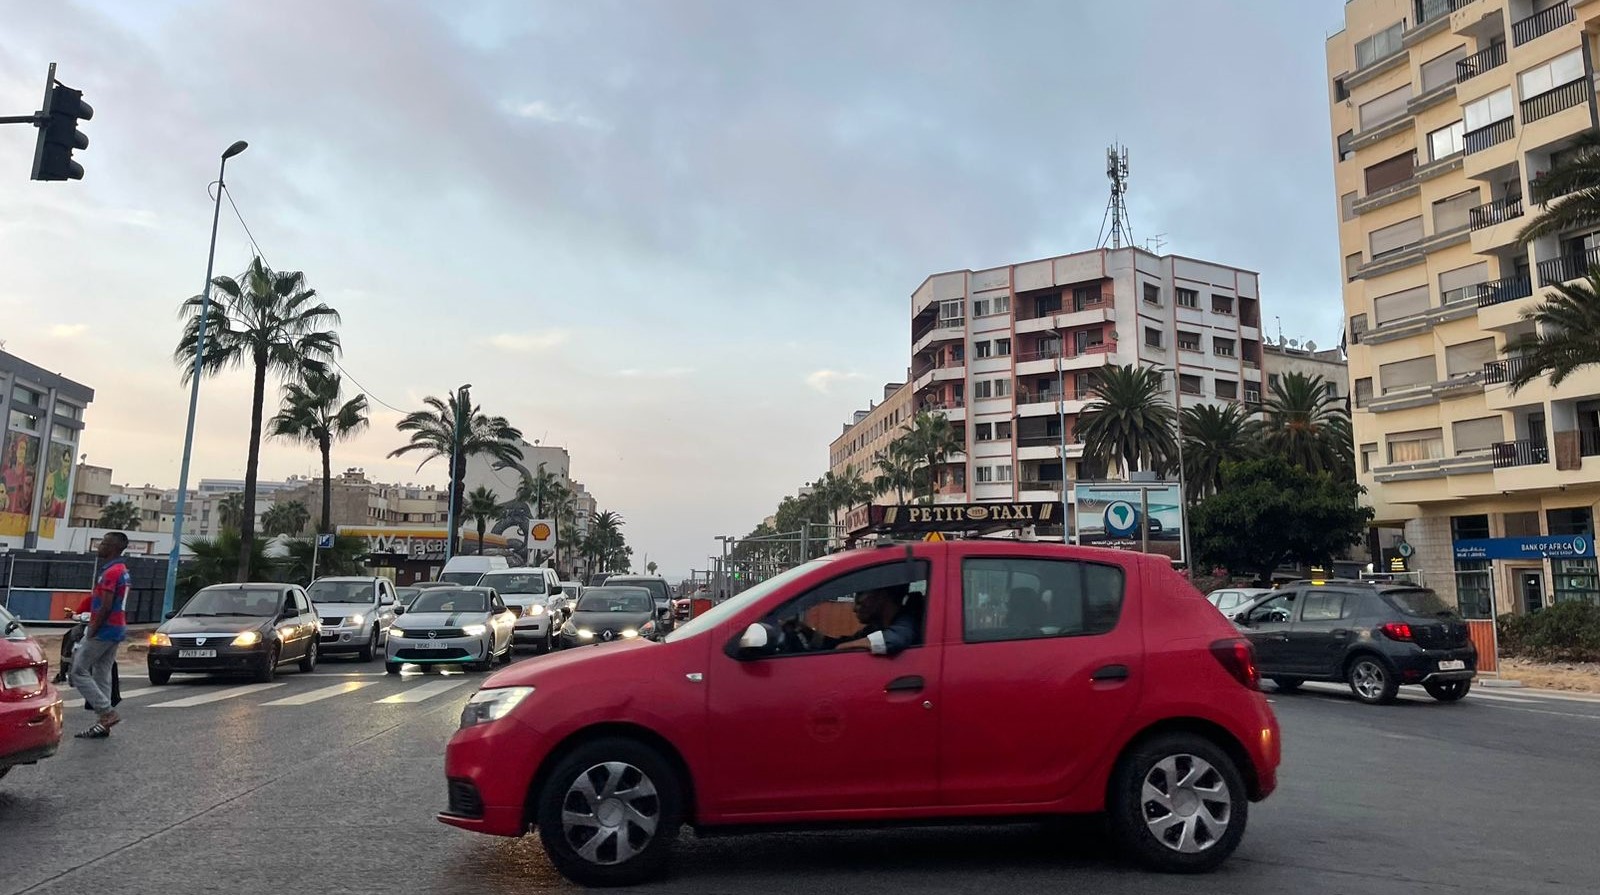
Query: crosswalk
(283, 695)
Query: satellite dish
(1311, 346)
(1294, 343)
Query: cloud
(655, 373)
(824, 380)
(544, 112)
(68, 330)
(526, 342)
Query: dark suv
(1374, 637)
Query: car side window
(1227, 599)
(1005, 598)
(1277, 609)
(828, 610)
(1324, 606)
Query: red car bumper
(30, 729)
(489, 769)
(1266, 751)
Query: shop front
(416, 554)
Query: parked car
(1229, 600)
(659, 589)
(30, 706)
(252, 629)
(743, 717)
(466, 570)
(467, 626)
(610, 613)
(356, 613)
(527, 591)
(1374, 637)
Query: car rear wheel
(371, 649)
(269, 667)
(159, 678)
(1448, 691)
(1178, 804)
(1371, 680)
(308, 662)
(392, 667)
(610, 812)
(1287, 684)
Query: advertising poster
(57, 488)
(18, 466)
(1110, 514)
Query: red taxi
(30, 707)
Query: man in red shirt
(108, 625)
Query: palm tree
(271, 321)
(121, 515)
(435, 433)
(347, 556)
(1213, 436)
(896, 471)
(650, 567)
(1130, 420)
(313, 414)
(230, 513)
(606, 531)
(1307, 424)
(1568, 334)
(931, 439)
(287, 518)
(482, 505)
(214, 562)
(563, 512)
(1569, 193)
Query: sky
(678, 238)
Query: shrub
(1565, 632)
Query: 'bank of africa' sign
(1544, 547)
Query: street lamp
(455, 449)
(169, 590)
(1183, 509)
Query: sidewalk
(131, 656)
(1567, 677)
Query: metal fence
(41, 586)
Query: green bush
(1565, 632)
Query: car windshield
(570, 590)
(406, 594)
(515, 582)
(631, 599)
(1421, 603)
(657, 589)
(736, 604)
(450, 600)
(340, 591)
(259, 602)
(467, 578)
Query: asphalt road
(328, 782)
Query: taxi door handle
(909, 684)
(1110, 673)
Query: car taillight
(1239, 657)
(1396, 631)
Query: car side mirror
(13, 626)
(760, 639)
(399, 610)
(171, 615)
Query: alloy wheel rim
(1368, 679)
(610, 813)
(1186, 804)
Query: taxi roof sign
(934, 537)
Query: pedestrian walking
(108, 625)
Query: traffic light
(59, 134)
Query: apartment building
(1444, 112)
(1279, 359)
(91, 491)
(866, 438)
(1011, 355)
(43, 414)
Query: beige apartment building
(867, 437)
(1444, 112)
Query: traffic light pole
(41, 116)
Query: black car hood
(610, 621)
(219, 624)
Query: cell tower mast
(1114, 228)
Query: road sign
(324, 542)
(1122, 519)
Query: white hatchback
(468, 626)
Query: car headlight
(569, 629)
(585, 634)
(491, 705)
(535, 609)
(629, 633)
(648, 629)
(248, 638)
(160, 639)
(474, 630)
(356, 620)
(396, 632)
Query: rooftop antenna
(1155, 244)
(1114, 227)
(1280, 328)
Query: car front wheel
(159, 678)
(371, 649)
(308, 662)
(1178, 804)
(1448, 691)
(610, 812)
(269, 667)
(1371, 680)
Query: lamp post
(1183, 507)
(170, 589)
(455, 451)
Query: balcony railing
(1496, 212)
(1550, 102)
(1570, 267)
(1589, 442)
(1541, 23)
(1489, 135)
(1496, 372)
(1034, 313)
(1049, 395)
(1525, 452)
(1502, 290)
(1428, 10)
(1046, 354)
(1484, 60)
(1046, 441)
(955, 404)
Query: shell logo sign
(541, 534)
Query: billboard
(19, 463)
(57, 488)
(1109, 514)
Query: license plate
(1453, 665)
(432, 644)
(197, 654)
(20, 679)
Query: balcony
(1489, 135)
(1525, 452)
(1497, 212)
(1498, 372)
(1502, 290)
(1429, 10)
(1574, 265)
(1541, 23)
(1550, 102)
(1480, 62)
(1589, 442)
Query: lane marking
(1500, 698)
(215, 696)
(420, 692)
(143, 691)
(321, 694)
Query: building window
(1340, 92)
(1403, 375)
(1390, 172)
(1395, 238)
(1152, 294)
(1441, 70)
(983, 474)
(1495, 107)
(989, 307)
(1002, 472)
(1222, 347)
(1352, 266)
(1416, 447)
(1347, 207)
(1227, 389)
(1399, 305)
(1152, 337)
(982, 349)
(1188, 341)
(1468, 359)
(1477, 436)
(951, 313)
(983, 432)
(1002, 347)
(1085, 296)
(1452, 213)
(70, 411)
(1358, 325)
(1521, 525)
(1380, 46)
(1363, 391)
(1369, 456)
(1446, 141)
(1188, 298)
(1558, 72)
(1375, 113)
(1222, 304)
(1345, 152)
(1002, 430)
(24, 395)
(1191, 385)
(991, 388)
(63, 435)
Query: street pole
(1183, 495)
(455, 449)
(1061, 407)
(1144, 519)
(170, 589)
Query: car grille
(212, 642)
(464, 799)
(432, 633)
(417, 655)
(332, 621)
(1449, 635)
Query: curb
(1498, 683)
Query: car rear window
(1421, 603)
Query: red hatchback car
(30, 707)
(1039, 680)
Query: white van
(466, 570)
